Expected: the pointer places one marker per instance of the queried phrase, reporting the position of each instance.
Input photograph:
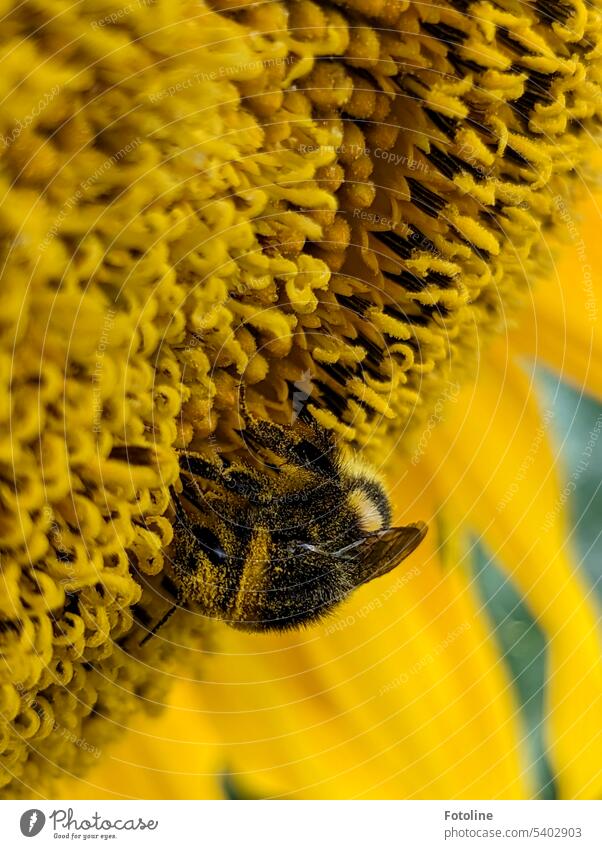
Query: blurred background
(575, 423)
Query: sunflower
(351, 202)
(408, 692)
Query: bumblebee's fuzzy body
(273, 545)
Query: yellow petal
(171, 756)
(492, 459)
(562, 327)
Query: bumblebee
(277, 540)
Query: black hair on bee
(277, 545)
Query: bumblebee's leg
(241, 482)
(252, 486)
(191, 494)
(259, 447)
(310, 447)
(200, 467)
(177, 505)
(159, 625)
(263, 433)
(143, 617)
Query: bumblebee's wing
(377, 553)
